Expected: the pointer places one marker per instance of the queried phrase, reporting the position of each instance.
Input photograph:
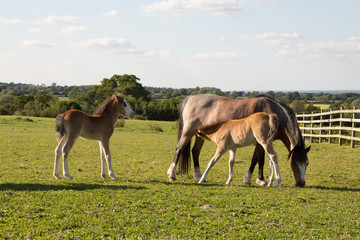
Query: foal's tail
(59, 126)
(274, 125)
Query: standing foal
(259, 127)
(100, 126)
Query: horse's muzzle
(300, 184)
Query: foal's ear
(308, 149)
(119, 97)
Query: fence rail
(331, 126)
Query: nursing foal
(74, 123)
(259, 127)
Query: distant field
(141, 203)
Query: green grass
(141, 203)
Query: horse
(73, 124)
(202, 111)
(259, 127)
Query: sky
(234, 45)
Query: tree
(129, 85)
(298, 106)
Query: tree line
(148, 102)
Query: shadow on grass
(340, 189)
(58, 187)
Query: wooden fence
(333, 126)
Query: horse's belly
(243, 141)
(89, 135)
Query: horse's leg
(271, 175)
(184, 139)
(258, 157)
(199, 142)
(106, 149)
(231, 165)
(219, 152)
(103, 160)
(58, 153)
(274, 164)
(66, 150)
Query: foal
(100, 126)
(258, 127)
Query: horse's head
(299, 162)
(123, 106)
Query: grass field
(142, 204)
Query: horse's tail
(184, 158)
(59, 126)
(274, 125)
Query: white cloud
(26, 44)
(324, 49)
(269, 38)
(276, 39)
(9, 20)
(203, 7)
(271, 1)
(120, 46)
(74, 30)
(216, 56)
(112, 13)
(59, 20)
(34, 30)
(114, 44)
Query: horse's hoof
(247, 178)
(247, 182)
(68, 176)
(57, 176)
(261, 182)
(113, 177)
(172, 179)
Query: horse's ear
(308, 149)
(291, 153)
(119, 97)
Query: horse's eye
(124, 104)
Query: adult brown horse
(74, 123)
(202, 111)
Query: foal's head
(122, 106)
(299, 162)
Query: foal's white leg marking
(106, 149)
(66, 151)
(218, 154)
(247, 178)
(271, 175)
(273, 165)
(58, 153)
(103, 160)
(231, 165)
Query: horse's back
(206, 110)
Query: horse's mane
(106, 105)
(292, 124)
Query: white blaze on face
(128, 111)
(302, 168)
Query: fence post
(311, 125)
(321, 124)
(340, 124)
(352, 130)
(304, 125)
(330, 125)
